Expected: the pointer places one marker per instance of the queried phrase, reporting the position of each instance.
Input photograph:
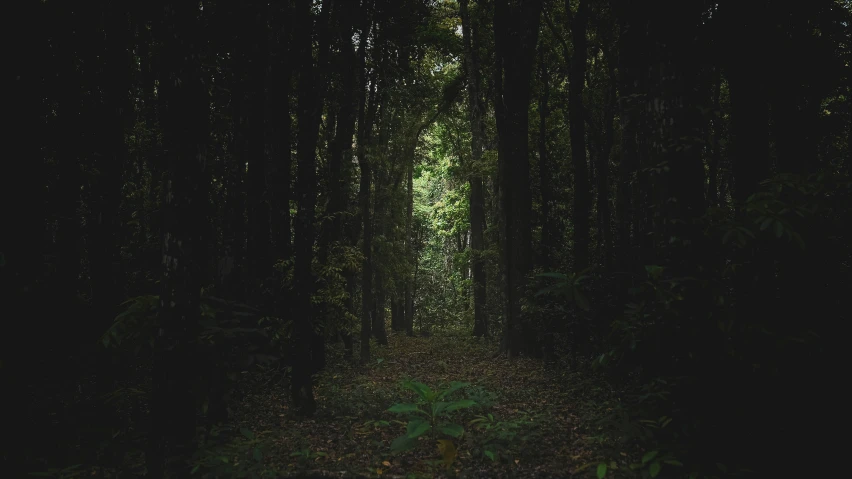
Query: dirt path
(539, 419)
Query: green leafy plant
(431, 414)
(483, 398)
(306, 455)
(69, 472)
(241, 456)
(497, 437)
(569, 286)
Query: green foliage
(134, 325)
(483, 398)
(430, 414)
(569, 286)
(306, 455)
(498, 439)
(241, 455)
(692, 351)
(69, 472)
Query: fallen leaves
(448, 451)
(352, 427)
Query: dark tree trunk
(381, 178)
(111, 154)
(477, 194)
(516, 36)
(365, 121)
(279, 93)
(576, 120)
(258, 240)
(715, 148)
(184, 119)
(631, 40)
(545, 170)
(409, 251)
(396, 323)
(232, 265)
(603, 206)
(310, 93)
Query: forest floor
(534, 422)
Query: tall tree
(477, 193)
(280, 144)
(256, 43)
(577, 123)
(366, 114)
(311, 88)
(516, 28)
(184, 118)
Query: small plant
(69, 472)
(499, 436)
(569, 286)
(242, 456)
(305, 455)
(431, 415)
(483, 398)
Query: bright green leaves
(460, 404)
(490, 454)
(417, 428)
(402, 444)
(430, 414)
(454, 386)
(405, 408)
(567, 285)
(655, 467)
(649, 456)
(652, 462)
(601, 471)
(421, 389)
(453, 430)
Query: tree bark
(365, 120)
(604, 213)
(477, 193)
(576, 121)
(516, 30)
(310, 94)
(257, 49)
(279, 93)
(409, 251)
(545, 170)
(184, 119)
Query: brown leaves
(448, 451)
(352, 427)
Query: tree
(310, 97)
(477, 198)
(184, 119)
(516, 28)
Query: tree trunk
(365, 120)
(279, 92)
(310, 94)
(258, 240)
(604, 214)
(477, 193)
(545, 171)
(516, 36)
(409, 251)
(576, 121)
(184, 118)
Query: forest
(426, 238)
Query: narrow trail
(542, 421)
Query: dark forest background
(654, 193)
